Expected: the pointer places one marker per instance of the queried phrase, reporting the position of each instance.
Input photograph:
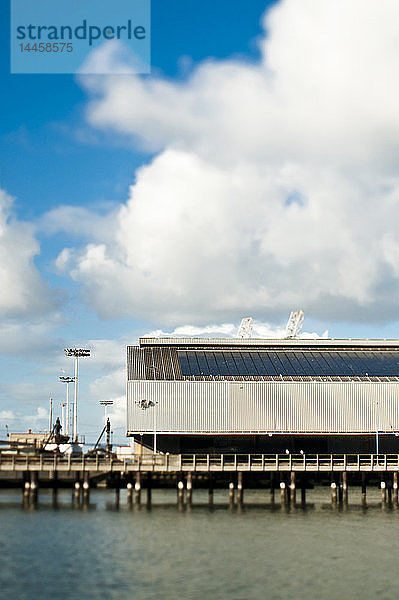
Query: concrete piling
(149, 489)
(303, 490)
(272, 487)
(345, 487)
(25, 493)
(283, 493)
(33, 490)
(189, 488)
(364, 488)
(55, 488)
(231, 493)
(129, 494)
(292, 489)
(180, 493)
(117, 481)
(383, 492)
(86, 488)
(395, 487)
(76, 493)
(240, 488)
(334, 495)
(340, 493)
(137, 488)
(210, 490)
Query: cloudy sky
(252, 173)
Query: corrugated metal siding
(135, 363)
(215, 364)
(268, 406)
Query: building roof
(175, 342)
(210, 359)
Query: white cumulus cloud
(275, 184)
(230, 330)
(23, 292)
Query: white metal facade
(229, 407)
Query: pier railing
(173, 463)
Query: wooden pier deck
(273, 471)
(201, 463)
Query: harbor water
(261, 551)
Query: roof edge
(283, 342)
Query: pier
(215, 463)
(234, 472)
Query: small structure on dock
(30, 438)
(38, 441)
(263, 395)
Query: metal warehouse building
(262, 395)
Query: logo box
(80, 36)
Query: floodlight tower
(105, 404)
(245, 328)
(63, 405)
(294, 324)
(76, 353)
(107, 424)
(67, 380)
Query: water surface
(259, 552)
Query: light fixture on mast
(294, 324)
(76, 353)
(67, 380)
(63, 405)
(105, 404)
(245, 328)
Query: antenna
(245, 328)
(294, 324)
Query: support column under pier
(149, 489)
(33, 487)
(189, 488)
(210, 491)
(395, 488)
(129, 494)
(303, 489)
(231, 493)
(345, 487)
(240, 488)
(137, 488)
(364, 488)
(86, 488)
(334, 491)
(272, 487)
(292, 489)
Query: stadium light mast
(67, 380)
(107, 423)
(63, 405)
(76, 353)
(105, 404)
(245, 328)
(294, 324)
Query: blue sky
(250, 174)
